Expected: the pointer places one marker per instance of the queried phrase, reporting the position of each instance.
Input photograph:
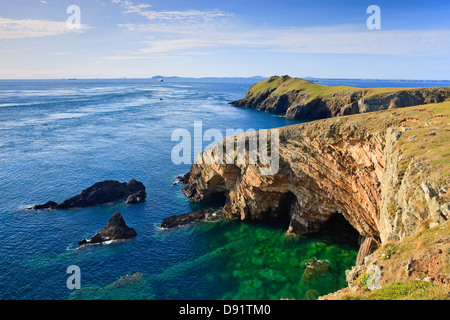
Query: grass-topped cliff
(416, 268)
(387, 173)
(298, 98)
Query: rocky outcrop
(367, 247)
(116, 229)
(136, 197)
(101, 193)
(45, 206)
(383, 172)
(184, 219)
(300, 99)
(182, 179)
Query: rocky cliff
(385, 172)
(297, 98)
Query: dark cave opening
(217, 199)
(338, 230)
(217, 192)
(281, 217)
(335, 230)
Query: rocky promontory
(387, 173)
(116, 229)
(101, 193)
(299, 99)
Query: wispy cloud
(16, 29)
(194, 15)
(194, 30)
(318, 40)
(183, 22)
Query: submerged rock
(127, 280)
(116, 229)
(101, 193)
(315, 268)
(183, 219)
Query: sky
(227, 38)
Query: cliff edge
(386, 173)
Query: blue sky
(132, 38)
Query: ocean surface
(58, 137)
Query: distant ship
(72, 79)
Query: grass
(392, 259)
(409, 290)
(389, 250)
(286, 86)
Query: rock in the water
(101, 193)
(48, 205)
(184, 179)
(116, 229)
(183, 219)
(315, 268)
(97, 239)
(136, 197)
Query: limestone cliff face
(363, 167)
(297, 98)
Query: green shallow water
(241, 261)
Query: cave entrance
(217, 196)
(338, 230)
(281, 217)
(217, 199)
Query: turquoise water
(238, 261)
(58, 137)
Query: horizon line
(226, 77)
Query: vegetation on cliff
(416, 268)
(298, 98)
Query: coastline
(360, 166)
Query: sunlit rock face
(352, 166)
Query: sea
(58, 137)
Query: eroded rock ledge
(383, 172)
(187, 218)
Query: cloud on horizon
(29, 28)
(317, 40)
